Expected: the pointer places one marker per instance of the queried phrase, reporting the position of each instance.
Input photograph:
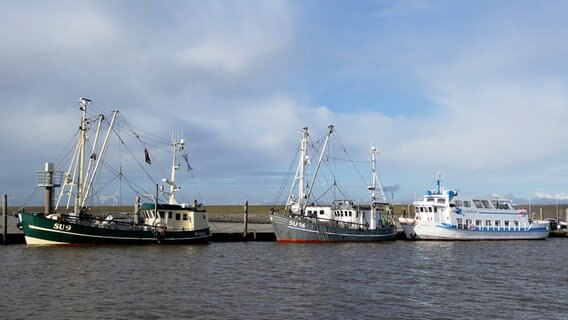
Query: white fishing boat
(443, 214)
(306, 219)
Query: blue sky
(474, 89)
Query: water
(394, 280)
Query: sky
(473, 90)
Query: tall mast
(373, 188)
(177, 146)
(330, 127)
(99, 158)
(302, 170)
(82, 147)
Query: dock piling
(245, 231)
(4, 218)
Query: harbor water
(268, 280)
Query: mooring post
(566, 211)
(245, 232)
(4, 219)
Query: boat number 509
(62, 227)
(297, 224)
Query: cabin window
(460, 223)
(162, 214)
(178, 216)
(486, 204)
(497, 223)
(430, 199)
(506, 224)
(169, 214)
(350, 213)
(468, 222)
(488, 223)
(516, 224)
(478, 223)
(478, 204)
(430, 209)
(441, 200)
(321, 212)
(185, 217)
(435, 209)
(495, 203)
(467, 203)
(459, 203)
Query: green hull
(40, 230)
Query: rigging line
(132, 185)
(348, 160)
(31, 196)
(64, 156)
(151, 136)
(98, 190)
(286, 178)
(381, 187)
(349, 157)
(161, 147)
(323, 194)
(195, 187)
(133, 157)
(94, 106)
(335, 182)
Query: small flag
(184, 156)
(147, 156)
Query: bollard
(4, 219)
(245, 232)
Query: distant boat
(153, 222)
(306, 220)
(444, 215)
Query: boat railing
(352, 225)
(88, 220)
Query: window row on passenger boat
(485, 204)
(495, 224)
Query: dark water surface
(392, 280)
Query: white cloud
(226, 74)
(556, 196)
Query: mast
(330, 127)
(373, 188)
(82, 148)
(302, 169)
(177, 146)
(98, 158)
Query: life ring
(471, 227)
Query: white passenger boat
(444, 215)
